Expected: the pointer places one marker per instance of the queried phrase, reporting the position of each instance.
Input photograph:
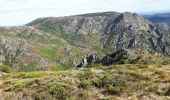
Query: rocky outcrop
(86, 60)
(120, 56)
(2, 73)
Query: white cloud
(18, 12)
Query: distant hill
(55, 42)
(111, 30)
(159, 18)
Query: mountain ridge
(159, 18)
(62, 41)
(87, 24)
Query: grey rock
(120, 56)
(115, 57)
(2, 73)
(86, 60)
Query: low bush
(59, 90)
(167, 93)
(5, 69)
(93, 65)
(28, 68)
(108, 81)
(85, 84)
(114, 90)
(152, 88)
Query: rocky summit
(63, 41)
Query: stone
(2, 73)
(86, 60)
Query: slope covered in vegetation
(94, 82)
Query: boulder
(2, 73)
(120, 56)
(87, 60)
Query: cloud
(18, 12)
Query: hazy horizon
(20, 12)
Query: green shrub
(133, 76)
(159, 72)
(96, 82)
(28, 68)
(50, 53)
(109, 79)
(85, 84)
(135, 61)
(18, 85)
(152, 88)
(60, 90)
(40, 88)
(165, 62)
(5, 69)
(106, 80)
(167, 93)
(57, 68)
(114, 90)
(85, 74)
(123, 61)
(24, 75)
(141, 66)
(93, 65)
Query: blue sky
(19, 12)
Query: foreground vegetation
(94, 82)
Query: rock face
(115, 58)
(120, 56)
(114, 30)
(87, 60)
(132, 31)
(2, 73)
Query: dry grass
(102, 82)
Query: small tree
(10, 50)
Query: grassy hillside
(94, 82)
(52, 46)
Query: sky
(20, 12)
